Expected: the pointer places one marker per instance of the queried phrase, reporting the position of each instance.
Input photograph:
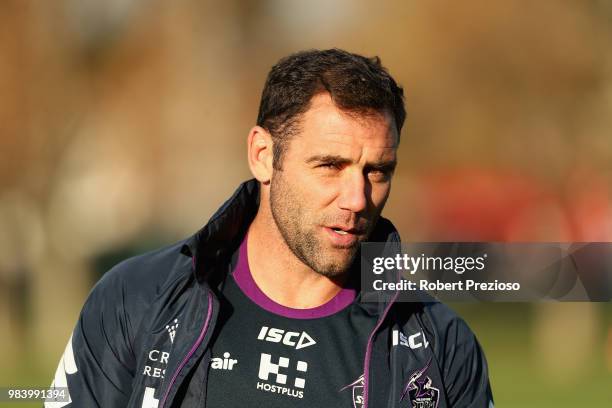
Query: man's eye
(379, 175)
(334, 166)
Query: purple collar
(244, 280)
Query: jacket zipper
(368, 354)
(193, 349)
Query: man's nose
(353, 194)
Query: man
(262, 307)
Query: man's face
(335, 180)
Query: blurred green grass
(505, 333)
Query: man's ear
(260, 154)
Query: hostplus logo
(275, 376)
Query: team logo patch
(357, 388)
(420, 391)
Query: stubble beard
(299, 234)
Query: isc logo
(414, 341)
(288, 338)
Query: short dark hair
(354, 82)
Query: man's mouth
(339, 231)
(342, 230)
(344, 236)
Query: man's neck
(279, 274)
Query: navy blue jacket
(143, 336)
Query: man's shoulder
(139, 279)
(448, 321)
